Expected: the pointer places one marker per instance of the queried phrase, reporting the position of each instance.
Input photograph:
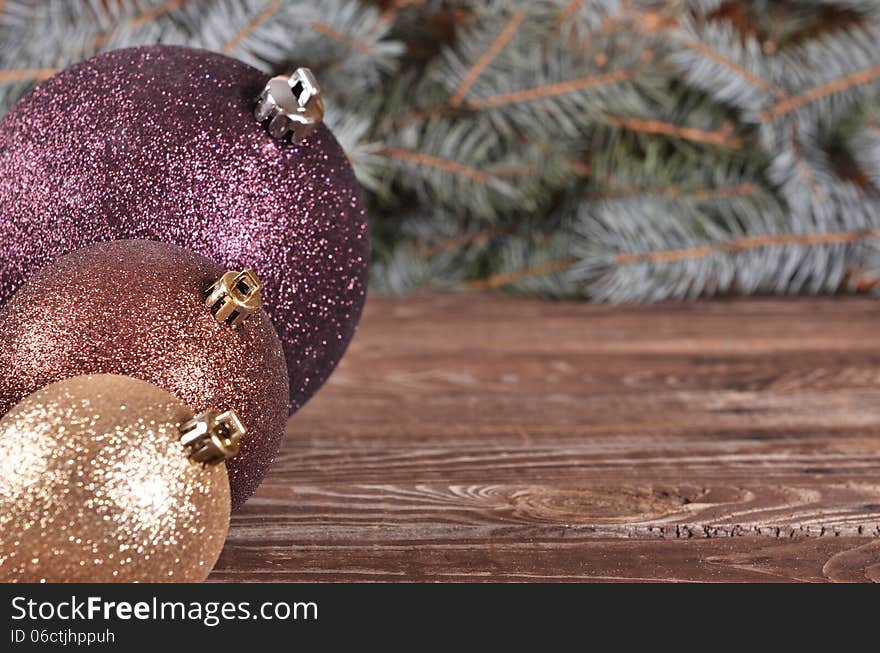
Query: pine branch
(839, 85)
(37, 75)
(241, 35)
(552, 90)
(347, 39)
(737, 69)
(864, 143)
(486, 58)
(521, 275)
(728, 66)
(135, 22)
(722, 137)
(156, 11)
(464, 166)
(431, 161)
(437, 250)
(742, 189)
(459, 242)
(614, 149)
(746, 243)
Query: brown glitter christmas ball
(96, 486)
(138, 308)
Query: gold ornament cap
(212, 438)
(234, 297)
(292, 104)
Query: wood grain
(483, 438)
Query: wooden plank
(711, 560)
(472, 437)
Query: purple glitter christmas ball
(160, 143)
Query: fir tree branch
(864, 144)
(141, 19)
(802, 168)
(389, 15)
(511, 172)
(838, 85)
(155, 12)
(625, 150)
(480, 65)
(552, 90)
(723, 137)
(720, 59)
(674, 191)
(746, 243)
(327, 30)
(451, 244)
(509, 278)
(247, 30)
(568, 11)
(421, 158)
(37, 75)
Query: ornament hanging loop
(292, 104)
(212, 438)
(234, 297)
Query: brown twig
(462, 241)
(802, 168)
(523, 170)
(141, 19)
(737, 190)
(746, 243)
(473, 74)
(568, 11)
(253, 24)
(325, 29)
(740, 244)
(155, 12)
(551, 90)
(501, 280)
(788, 105)
(723, 136)
(720, 59)
(432, 161)
(391, 11)
(24, 75)
(861, 280)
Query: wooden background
(488, 438)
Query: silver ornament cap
(292, 104)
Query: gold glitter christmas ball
(96, 486)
